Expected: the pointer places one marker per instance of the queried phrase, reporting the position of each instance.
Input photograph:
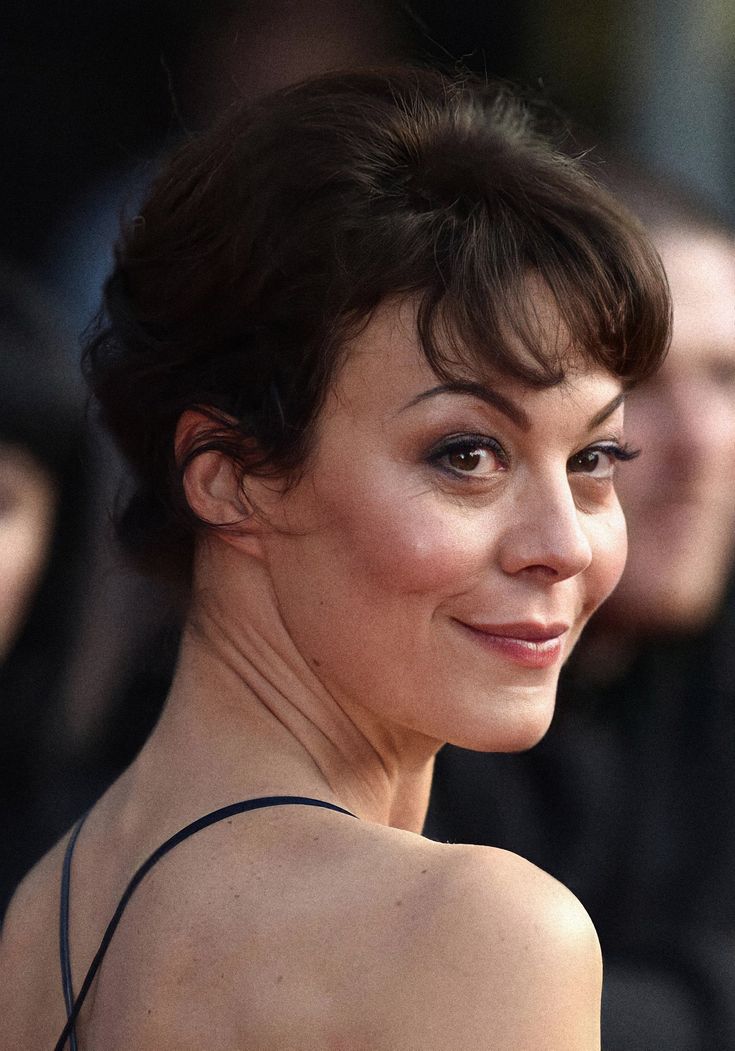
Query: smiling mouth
(530, 645)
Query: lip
(528, 643)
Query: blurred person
(679, 508)
(629, 797)
(66, 634)
(27, 513)
(366, 351)
(42, 552)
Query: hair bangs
(532, 300)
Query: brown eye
(598, 461)
(465, 459)
(478, 456)
(587, 462)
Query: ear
(213, 485)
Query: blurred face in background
(27, 511)
(679, 498)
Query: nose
(545, 533)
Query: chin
(521, 725)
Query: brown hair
(265, 243)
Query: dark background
(89, 88)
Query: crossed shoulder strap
(74, 1006)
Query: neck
(252, 718)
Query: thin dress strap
(73, 1010)
(65, 958)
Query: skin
(678, 501)
(324, 663)
(27, 512)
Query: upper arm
(509, 961)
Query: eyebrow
(514, 412)
(476, 390)
(607, 410)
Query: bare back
(304, 928)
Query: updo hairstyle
(266, 243)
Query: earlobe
(212, 482)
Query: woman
(367, 347)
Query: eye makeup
(463, 456)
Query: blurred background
(95, 89)
(93, 94)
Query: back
(290, 928)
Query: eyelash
(623, 453)
(467, 443)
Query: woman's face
(679, 501)
(27, 508)
(439, 558)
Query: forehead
(385, 368)
(701, 272)
(392, 328)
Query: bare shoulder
(447, 946)
(496, 954)
(314, 930)
(439, 946)
(501, 893)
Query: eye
(472, 455)
(598, 461)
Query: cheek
(413, 545)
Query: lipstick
(531, 645)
